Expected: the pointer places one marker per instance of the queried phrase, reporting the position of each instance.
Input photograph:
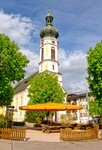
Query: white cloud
(73, 67)
(33, 64)
(16, 27)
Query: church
(48, 62)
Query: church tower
(49, 48)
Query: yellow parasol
(50, 106)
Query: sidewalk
(38, 135)
(5, 144)
(32, 145)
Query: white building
(48, 62)
(81, 99)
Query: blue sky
(79, 24)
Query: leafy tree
(94, 70)
(6, 93)
(44, 87)
(94, 109)
(12, 63)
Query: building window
(53, 53)
(53, 67)
(42, 54)
(81, 114)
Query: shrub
(31, 116)
(9, 122)
(69, 129)
(38, 121)
(2, 121)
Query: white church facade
(48, 62)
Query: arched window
(53, 53)
(42, 54)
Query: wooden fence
(78, 135)
(13, 133)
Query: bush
(32, 116)
(9, 122)
(69, 129)
(38, 121)
(2, 121)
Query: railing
(13, 134)
(78, 135)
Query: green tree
(6, 93)
(44, 87)
(12, 63)
(94, 109)
(94, 70)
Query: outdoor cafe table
(51, 128)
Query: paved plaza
(36, 140)
(32, 145)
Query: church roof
(23, 84)
(74, 97)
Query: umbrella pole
(55, 116)
(47, 118)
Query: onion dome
(49, 30)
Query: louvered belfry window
(53, 53)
